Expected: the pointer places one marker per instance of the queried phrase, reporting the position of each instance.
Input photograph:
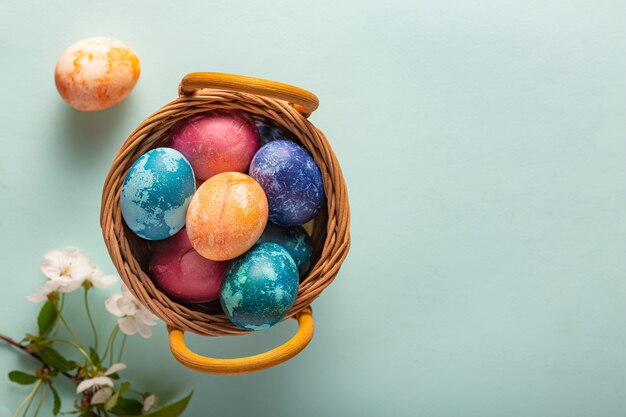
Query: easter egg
(181, 273)
(259, 287)
(295, 239)
(269, 132)
(291, 180)
(226, 216)
(217, 141)
(96, 73)
(156, 193)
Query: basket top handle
(302, 100)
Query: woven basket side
(331, 236)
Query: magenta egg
(217, 141)
(181, 273)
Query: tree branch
(34, 355)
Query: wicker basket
(287, 106)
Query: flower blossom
(66, 270)
(101, 385)
(133, 317)
(149, 402)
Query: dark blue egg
(156, 193)
(295, 239)
(291, 180)
(270, 132)
(259, 287)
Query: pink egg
(217, 141)
(181, 273)
(96, 73)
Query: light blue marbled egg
(259, 287)
(156, 193)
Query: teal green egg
(295, 239)
(259, 287)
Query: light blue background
(484, 146)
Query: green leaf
(113, 400)
(124, 387)
(172, 410)
(94, 357)
(46, 318)
(57, 401)
(127, 407)
(23, 378)
(55, 359)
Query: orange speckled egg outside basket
(287, 106)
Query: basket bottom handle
(248, 364)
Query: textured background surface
(484, 147)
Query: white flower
(99, 280)
(101, 384)
(66, 270)
(42, 294)
(149, 402)
(134, 318)
(66, 263)
(101, 395)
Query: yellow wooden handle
(302, 100)
(251, 363)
